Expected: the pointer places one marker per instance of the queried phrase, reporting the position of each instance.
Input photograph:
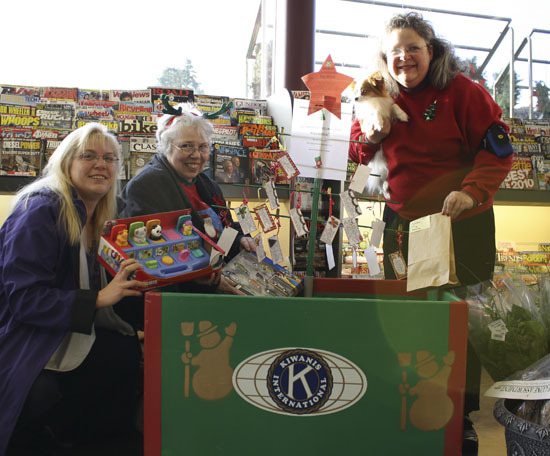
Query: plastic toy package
(167, 245)
(263, 278)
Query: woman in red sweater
(451, 155)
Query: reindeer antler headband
(169, 109)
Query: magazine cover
(226, 134)
(88, 95)
(130, 111)
(175, 96)
(58, 116)
(20, 157)
(521, 175)
(231, 164)
(541, 168)
(133, 96)
(141, 150)
(60, 94)
(524, 144)
(264, 166)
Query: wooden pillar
(300, 42)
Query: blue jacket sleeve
(39, 274)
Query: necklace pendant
(429, 113)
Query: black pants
(98, 398)
(475, 251)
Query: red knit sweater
(429, 159)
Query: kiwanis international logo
(299, 381)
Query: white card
(330, 257)
(226, 240)
(377, 232)
(275, 249)
(260, 251)
(265, 218)
(244, 217)
(298, 222)
(272, 197)
(331, 228)
(372, 261)
(352, 230)
(359, 178)
(350, 203)
(354, 256)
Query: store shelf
(523, 197)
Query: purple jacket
(40, 299)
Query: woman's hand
(248, 244)
(120, 287)
(375, 134)
(456, 203)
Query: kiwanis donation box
(361, 368)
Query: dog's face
(373, 86)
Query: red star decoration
(326, 87)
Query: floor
(489, 431)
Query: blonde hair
(56, 177)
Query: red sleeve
(359, 151)
(477, 112)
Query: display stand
(396, 363)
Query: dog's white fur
(374, 106)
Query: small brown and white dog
(373, 105)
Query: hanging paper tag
(226, 240)
(298, 222)
(498, 330)
(265, 218)
(330, 256)
(260, 251)
(354, 256)
(244, 217)
(359, 179)
(288, 165)
(372, 261)
(331, 228)
(398, 264)
(377, 232)
(275, 249)
(350, 203)
(352, 230)
(272, 197)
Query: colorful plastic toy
(168, 246)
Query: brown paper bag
(431, 261)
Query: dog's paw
(399, 113)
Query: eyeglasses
(189, 148)
(90, 156)
(411, 50)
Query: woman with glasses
(68, 364)
(173, 180)
(450, 157)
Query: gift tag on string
(351, 204)
(298, 222)
(359, 178)
(498, 330)
(377, 232)
(260, 251)
(352, 231)
(398, 264)
(372, 261)
(226, 240)
(354, 256)
(244, 217)
(330, 256)
(275, 249)
(288, 166)
(265, 218)
(271, 193)
(330, 230)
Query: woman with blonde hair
(68, 364)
